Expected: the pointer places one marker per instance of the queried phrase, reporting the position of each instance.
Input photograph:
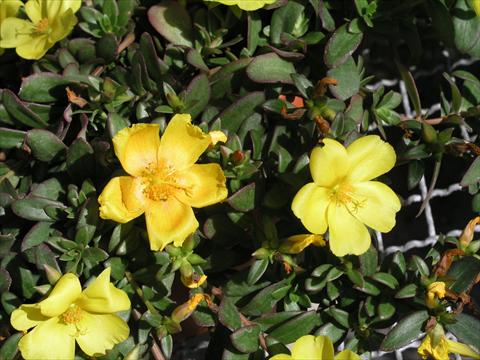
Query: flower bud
(429, 134)
(467, 234)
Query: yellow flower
(342, 198)
(247, 5)
(309, 347)
(217, 136)
(165, 182)
(50, 21)
(435, 290)
(295, 244)
(440, 349)
(193, 281)
(69, 314)
(183, 311)
(8, 8)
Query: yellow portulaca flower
(440, 349)
(165, 182)
(49, 22)
(69, 314)
(342, 196)
(435, 290)
(309, 347)
(247, 5)
(296, 243)
(8, 8)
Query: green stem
(140, 293)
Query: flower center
(43, 26)
(163, 184)
(73, 315)
(344, 194)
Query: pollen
(344, 194)
(73, 315)
(163, 184)
(43, 26)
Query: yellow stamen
(43, 26)
(162, 183)
(73, 315)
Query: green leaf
(221, 81)
(341, 46)
(288, 19)
(37, 235)
(408, 291)
(270, 322)
(348, 79)
(33, 208)
(115, 123)
(244, 199)
(467, 29)
(296, 327)
(416, 170)
(385, 279)
(10, 138)
(44, 87)
(333, 331)
(195, 59)
(106, 47)
(270, 69)
(407, 330)
(246, 338)
(229, 315)
(80, 159)
(257, 270)
(456, 95)
(464, 273)
(369, 261)
(389, 116)
(472, 176)
(417, 264)
(173, 22)
(264, 300)
(234, 115)
(197, 95)
(341, 316)
(466, 329)
(385, 310)
(9, 348)
(411, 88)
(45, 145)
(92, 256)
(19, 110)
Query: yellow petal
(9, 8)
(73, 5)
(35, 48)
(136, 147)
(193, 281)
(347, 235)
(369, 157)
(26, 317)
(312, 348)
(101, 332)
(169, 221)
(205, 184)
(183, 311)
(296, 243)
(33, 10)
(182, 143)
(346, 355)
(122, 199)
(50, 340)
(65, 292)
(15, 32)
(101, 296)
(310, 206)
(377, 205)
(253, 5)
(62, 26)
(217, 136)
(462, 349)
(329, 164)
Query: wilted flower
(194, 280)
(247, 5)
(438, 347)
(8, 9)
(296, 243)
(436, 290)
(467, 233)
(69, 314)
(165, 182)
(315, 348)
(342, 198)
(49, 22)
(183, 311)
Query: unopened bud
(429, 134)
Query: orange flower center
(344, 194)
(73, 315)
(43, 26)
(163, 184)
